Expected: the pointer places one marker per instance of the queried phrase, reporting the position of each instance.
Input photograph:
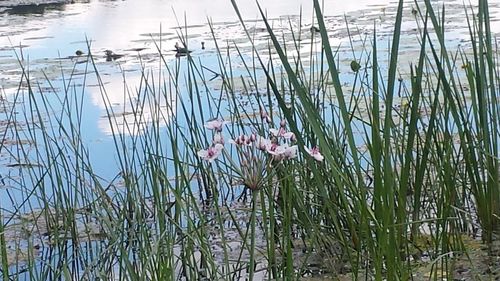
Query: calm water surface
(46, 38)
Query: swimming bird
(181, 51)
(78, 53)
(110, 55)
(314, 29)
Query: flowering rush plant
(254, 151)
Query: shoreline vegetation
(16, 3)
(279, 173)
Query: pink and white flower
(282, 151)
(314, 152)
(275, 149)
(215, 124)
(211, 153)
(290, 152)
(262, 143)
(281, 132)
(218, 139)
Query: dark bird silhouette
(314, 29)
(111, 56)
(181, 51)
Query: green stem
(3, 249)
(255, 195)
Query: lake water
(44, 41)
(118, 25)
(47, 38)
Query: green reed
(400, 155)
(406, 159)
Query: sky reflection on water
(49, 41)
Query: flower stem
(255, 194)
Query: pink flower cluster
(279, 152)
(283, 151)
(278, 149)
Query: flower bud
(218, 139)
(242, 139)
(283, 123)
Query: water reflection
(127, 104)
(137, 31)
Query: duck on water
(181, 51)
(111, 56)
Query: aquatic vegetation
(347, 162)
